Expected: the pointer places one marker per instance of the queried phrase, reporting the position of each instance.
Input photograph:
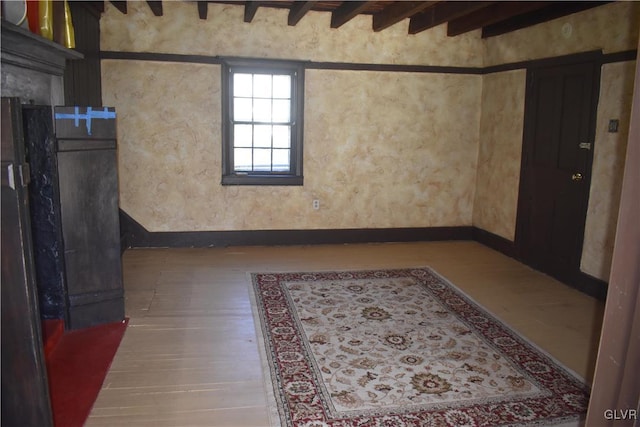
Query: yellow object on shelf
(69, 32)
(45, 12)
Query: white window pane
(281, 160)
(262, 136)
(282, 86)
(262, 85)
(242, 135)
(242, 109)
(242, 159)
(262, 110)
(281, 111)
(242, 85)
(262, 159)
(281, 136)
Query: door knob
(576, 177)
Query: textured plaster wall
(612, 28)
(168, 142)
(616, 92)
(498, 177)
(380, 149)
(397, 150)
(367, 159)
(268, 35)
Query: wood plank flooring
(190, 355)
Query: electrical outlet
(613, 125)
(316, 204)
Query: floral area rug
(401, 348)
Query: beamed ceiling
(493, 17)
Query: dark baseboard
(135, 235)
(581, 281)
(590, 285)
(495, 242)
(578, 280)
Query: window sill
(261, 180)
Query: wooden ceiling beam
(203, 9)
(346, 12)
(120, 5)
(548, 13)
(397, 12)
(298, 10)
(155, 6)
(97, 6)
(250, 9)
(497, 12)
(444, 12)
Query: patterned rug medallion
(398, 348)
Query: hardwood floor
(190, 355)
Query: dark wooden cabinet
(88, 182)
(25, 393)
(74, 213)
(32, 73)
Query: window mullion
(287, 151)
(253, 123)
(271, 139)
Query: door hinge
(22, 175)
(585, 145)
(25, 174)
(10, 178)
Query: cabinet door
(88, 182)
(25, 392)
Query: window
(262, 117)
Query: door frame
(25, 386)
(594, 59)
(615, 382)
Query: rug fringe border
(267, 381)
(510, 328)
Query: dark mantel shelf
(22, 48)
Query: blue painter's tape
(91, 114)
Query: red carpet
(52, 331)
(77, 367)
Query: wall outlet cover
(613, 125)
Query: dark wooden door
(556, 167)
(25, 393)
(88, 180)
